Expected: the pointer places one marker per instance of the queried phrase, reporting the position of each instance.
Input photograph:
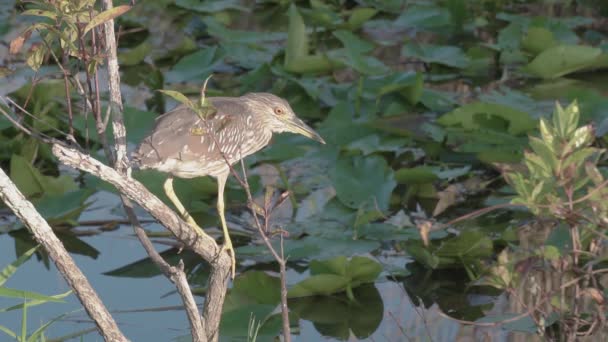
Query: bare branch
(43, 233)
(202, 245)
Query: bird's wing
(180, 133)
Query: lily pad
(338, 317)
(474, 116)
(562, 60)
(349, 173)
(32, 182)
(451, 56)
(336, 275)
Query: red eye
(279, 111)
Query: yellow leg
(168, 187)
(221, 183)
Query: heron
(185, 144)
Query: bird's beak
(298, 126)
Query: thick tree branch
(43, 233)
(204, 246)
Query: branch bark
(204, 246)
(43, 233)
(121, 164)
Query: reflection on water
(414, 308)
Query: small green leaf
(572, 115)
(40, 13)
(21, 294)
(297, 39)
(36, 56)
(546, 132)
(538, 39)
(550, 253)
(10, 269)
(106, 16)
(359, 16)
(179, 97)
(582, 137)
(545, 152)
(416, 175)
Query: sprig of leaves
(562, 168)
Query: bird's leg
(168, 187)
(221, 183)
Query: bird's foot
(227, 246)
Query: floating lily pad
(349, 173)
(562, 60)
(451, 56)
(475, 116)
(338, 317)
(336, 275)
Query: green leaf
(538, 39)
(297, 39)
(135, 55)
(21, 294)
(138, 123)
(321, 284)
(377, 188)
(359, 16)
(562, 60)
(353, 56)
(445, 55)
(363, 270)
(422, 17)
(35, 302)
(547, 133)
(469, 117)
(335, 266)
(36, 56)
(409, 84)
(337, 316)
(416, 175)
(179, 97)
(545, 152)
(195, 66)
(10, 269)
(211, 6)
(65, 207)
(40, 13)
(581, 138)
(32, 183)
(571, 116)
(259, 286)
(312, 247)
(470, 245)
(106, 16)
(234, 322)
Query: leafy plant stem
(24, 321)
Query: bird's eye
(279, 111)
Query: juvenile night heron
(185, 145)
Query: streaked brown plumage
(183, 145)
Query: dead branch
(43, 233)
(204, 246)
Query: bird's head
(276, 114)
